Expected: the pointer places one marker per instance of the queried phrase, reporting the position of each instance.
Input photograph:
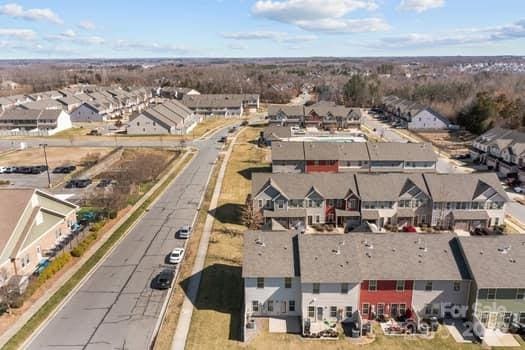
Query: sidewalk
(183, 324)
(33, 309)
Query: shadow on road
(220, 290)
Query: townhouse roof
(276, 132)
(398, 256)
(375, 151)
(326, 110)
(438, 115)
(289, 110)
(495, 261)
(298, 186)
(328, 258)
(170, 114)
(388, 186)
(321, 150)
(396, 151)
(69, 100)
(31, 114)
(391, 256)
(47, 103)
(461, 188)
(270, 254)
(287, 151)
(213, 101)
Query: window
(520, 294)
(491, 294)
(260, 282)
(138, 123)
(372, 285)
(268, 203)
(435, 309)
(255, 306)
(522, 317)
(311, 311)
(400, 286)
(280, 204)
(270, 305)
(315, 288)
(380, 309)
(287, 282)
(366, 308)
(291, 305)
(317, 219)
(348, 312)
(333, 311)
(457, 286)
(352, 204)
(344, 288)
(260, 203)
(428, 286)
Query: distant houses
(414, 115)
(226, 105)
(170, 117)
(322, 115)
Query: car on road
(185, 231)
(104, 183)
(232, 129)
(519, 189)
(3, 169)
(64, 169)
(176, 255)
(79, 183)
(223, 139)
(164, 279)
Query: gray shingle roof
(270, 254)
(460, 188)
(290, 110)
(287, 151)
(401, 151)
(388, 186)
(491, 262)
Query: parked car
(3, 169)
(164, 279)
(232, 129)
(176, 255)
(519, 189)
(409, 228)
(79, 183)
(223, 139)
(104, 183)
(10, 170)
(517, 328)
(185, 231)
(64, 169)
(244, 123)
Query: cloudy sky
(260, 28)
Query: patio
(497, 338)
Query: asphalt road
(117, 308)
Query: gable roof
(31, 114)
(397, 151)
(462, 188)
(388, 186)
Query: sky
(260, 28)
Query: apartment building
(351, 278)
(502, 150)
(345, 200)
(414, 115)
(498, 280)
(44, 121)
(333, 157)
(227, 105)
(31, 223)
(322, 115)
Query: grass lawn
(74, 131)
(216, 318)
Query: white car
(2, 169)
(185, 231)
(176, 255)
(519, 189)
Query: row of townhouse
(502, 150)
(322, 115)
(32, 223)
(84, 103)
(333, 157)
(414, 115)
(346, 200)
(39, 121)
(353, 278)
(170, 117)
(227, 105)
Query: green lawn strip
(25, 332)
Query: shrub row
(81, 248)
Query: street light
(44, 145)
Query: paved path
(183, 324)
(116, 308)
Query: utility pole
(44, 145)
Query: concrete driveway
(117, 308)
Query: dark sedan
(164, 279)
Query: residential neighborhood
(262, 174)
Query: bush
(97, 226)
(81, 248)
(3, 308)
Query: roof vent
(368, 255)
(512, 260)
(259, 242)
(336, 251)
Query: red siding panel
(386, 294)
(323, 166)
